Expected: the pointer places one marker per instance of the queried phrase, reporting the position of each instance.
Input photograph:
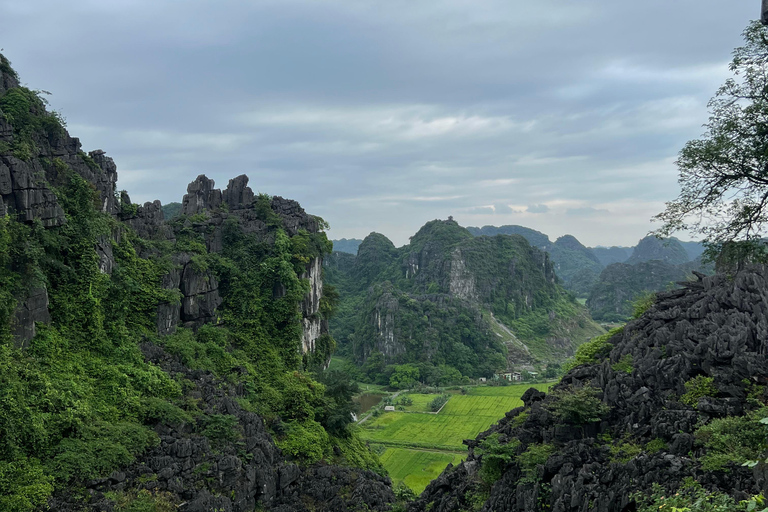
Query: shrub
(643, 303)
(534, 456)
(655, 445)
(437, 404)
(698, 387)
(692, 497)
(593, 351)
(495, 456)
(624, 451)
(306, 441)
(577, 405)
(624, 364)
(221, 428)
(734, 439)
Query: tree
(404, 376)
(724, 174)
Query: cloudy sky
(561, 115)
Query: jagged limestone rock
(716, 327)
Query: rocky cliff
(153, 364)
(440, 297)
(675, 395)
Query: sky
(564, 116)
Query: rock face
(207, 209)
(33, 308)
(208, 474)
(404, 296)
(716, 328)
(30, 165)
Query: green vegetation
(692, 497)
(81, 401)
(495, 456)
(722, 180)
(430, 323)
(463, 417)
(625, 450)
(577, 405)
(534, 456)
(624, 364)
(732, 440)
(697, 388)
(438, 402)
(594, 351)
(416, 468)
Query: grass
(419, 446)
(420, 402)
(416, 468)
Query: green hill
(435, 302)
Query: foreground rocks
(203, 474)
(716, 327)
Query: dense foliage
(724, 187)
(79, 400)
(435, 303)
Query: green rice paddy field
(420, 445)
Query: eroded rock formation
(714, 328)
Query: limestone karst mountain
(440, 299)
(148, 364)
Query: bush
(698, 387)
(593, 351)
(731, 440)
(692, 497)
(438, 403)
(655, 445)
(577, 405)
(306, 441)
(534, 456)
(624, 364)
(495, 456)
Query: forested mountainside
(655, 265)
(576, 265)
(449, 300)
(662, 413)
(153, 365)
(612, 278)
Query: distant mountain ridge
(347, 245)
(611, 278)
(437, 300)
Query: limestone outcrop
(207, 474)
(715, 328)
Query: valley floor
(415, 445)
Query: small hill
(614, 254)
(535, 238)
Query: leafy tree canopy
(724, 174)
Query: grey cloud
(383, 115)
(585, 211)
(537, 208)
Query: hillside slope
(431, 301)
(152, 365)
(677, 394)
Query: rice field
(463, 417)
(419, 446)
(416, 468)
